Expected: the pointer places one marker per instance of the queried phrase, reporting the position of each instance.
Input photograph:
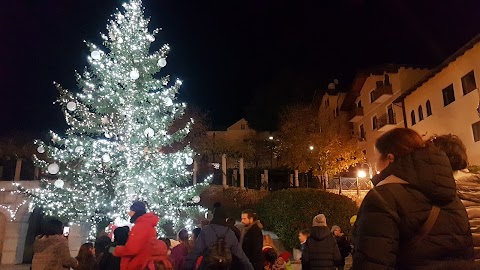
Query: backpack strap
(426, 227)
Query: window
(359, 105)
(372, 96)
(362, 132)
(364, 151)
(337, 111)
(468, 83)
(374, 122)
(327, 102)
(412, 115)
(448, 95)
(420, 113)
(476, 131)
(429, 108)
(242, 127)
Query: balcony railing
(382, 92)
(386, 122)
(356, 114)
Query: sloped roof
(439, 68)
(362, 76)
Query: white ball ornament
(134, 74)
(79, 149)
(96, 55)
(162, 62)
(196, 199)
(168, 102)
(53, 168)
(149, 132)
(59, 183)
(189, 161)
(106, 158)
(41, 149)
(71, 106)
(120, 40)
(108, 135)
(151, 38)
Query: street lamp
(363, 174)
(272, 146)
(311, 147)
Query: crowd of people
(423, 213)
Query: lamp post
(271, 151)
(362, 174)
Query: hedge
(286, 212)
(234, 200)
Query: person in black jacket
(252, 239)
(415, 181)
(231, 225)
(107, 260)
(321, 250)
(342, 243)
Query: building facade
(446, 101)
(371, 105)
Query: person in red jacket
(137, 252)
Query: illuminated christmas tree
(120, 145)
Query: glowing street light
(311, 147)
(361, 174)
(270, 138)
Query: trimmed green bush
(234, 200)
(288, 211)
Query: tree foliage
(309, 142)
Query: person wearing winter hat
(137, 248)
(342, 243)
(321, 250)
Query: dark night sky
(231, 55)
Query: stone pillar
(18, 170)
(291, 180)
(224, 170)
(297, 183)
(77, 236)
(14, 237)
(235, 178)
(242, 174)
(195, 172)
(36, 173)
(265, 180)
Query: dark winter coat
(321, 251)
(252, 244)
(52, 253)
(392, 214)
(237, 232)
(207, 238)
(137, 251)
(468, 189)
(107, 261)
(343, 246)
